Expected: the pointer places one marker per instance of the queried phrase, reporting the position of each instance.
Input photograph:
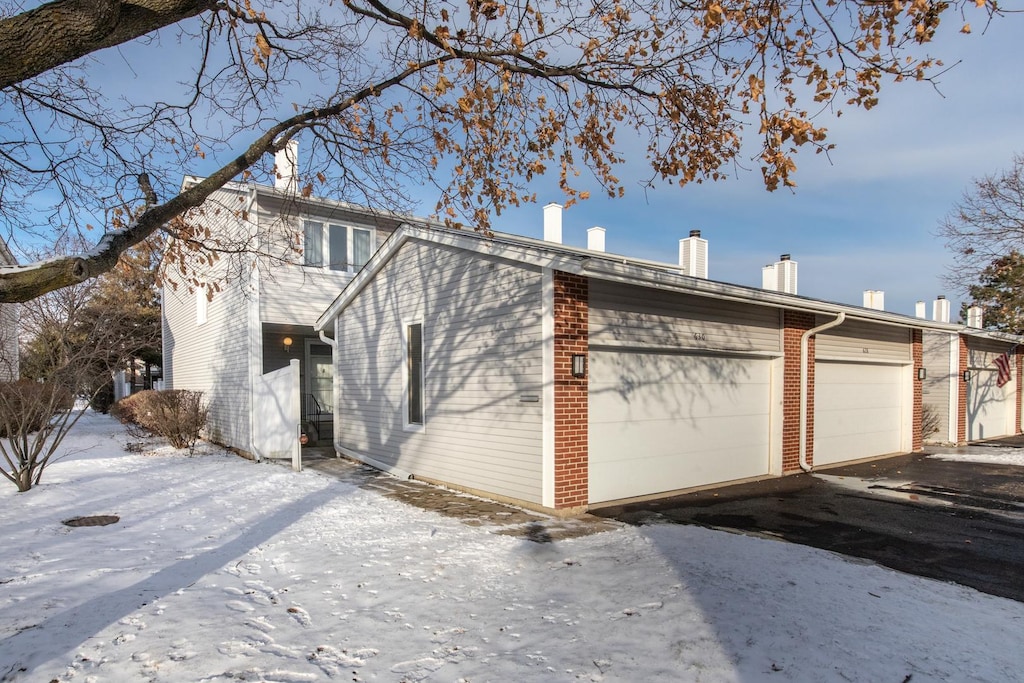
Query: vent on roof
(874, 298)
(780, 276)
(975, 316)
(940, 310)
(595, 239)
(693, 255)
(286, 162)
(553, 223)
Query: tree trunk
(59, 32)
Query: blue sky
(865, 221)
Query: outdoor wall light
(287, 341)
(967, 375)
(922, 373)
(579, 365)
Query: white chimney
(286, 162)
(920, 310)
(553, 223)
(940, 310)
(769, 280)
(595, 239)
(974, 317)
(874, 298)
(693, 255)
(785, 273)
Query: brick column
(961, 410)
(917, 440)
(794, 325)
(571, 393)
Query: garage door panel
(989, 407)
(857, 411)
(660, 422)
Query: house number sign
(700, 336)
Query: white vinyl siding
(481, 359)
(858, 411)
(660, 422)
(212, 357)
(866, 342)
(940, 380)
(638, 317)
(9, 366)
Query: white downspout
(804, 352)
(333, 343)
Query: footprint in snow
(239, 606)
(417, 669)
(333, 661)
(300, 615)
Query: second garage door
(989, 407)
(858, 411)
(660, 422)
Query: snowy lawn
(224, 570)
(993, 455)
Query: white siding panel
(982, 353)
(482, 356)
(212, 357)
(660, 422)
(297, 295)
(941, 378)
(860, 341)
(639, 317)
(9, 365)
(858, 411)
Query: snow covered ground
(224, 570)
(995, 455)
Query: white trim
(547, 327)
(615, 345)
(325, 242)
(406, 425)
(863, 361)
(953, 427)
(384, 467)
(255, 329)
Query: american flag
(1003, 365)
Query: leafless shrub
(31, 414)
(178, 415)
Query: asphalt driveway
(953, 521)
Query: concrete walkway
(471, 510)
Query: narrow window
(339, 247)
(414, 369)
(360, 247)
(313, 249)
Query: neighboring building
(563, 378)
(967, 395)
(9, 321)
(227, 324)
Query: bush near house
(27, 406)
(176, 414)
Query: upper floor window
(339, 247)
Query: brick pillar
(571, 393)
(794, 325)
(917, 440)
(1020, 389)
(961, 417)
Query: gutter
(804, 353)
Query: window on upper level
(338, 247)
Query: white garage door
(858, 411)
(989, 407)
(660, 422)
